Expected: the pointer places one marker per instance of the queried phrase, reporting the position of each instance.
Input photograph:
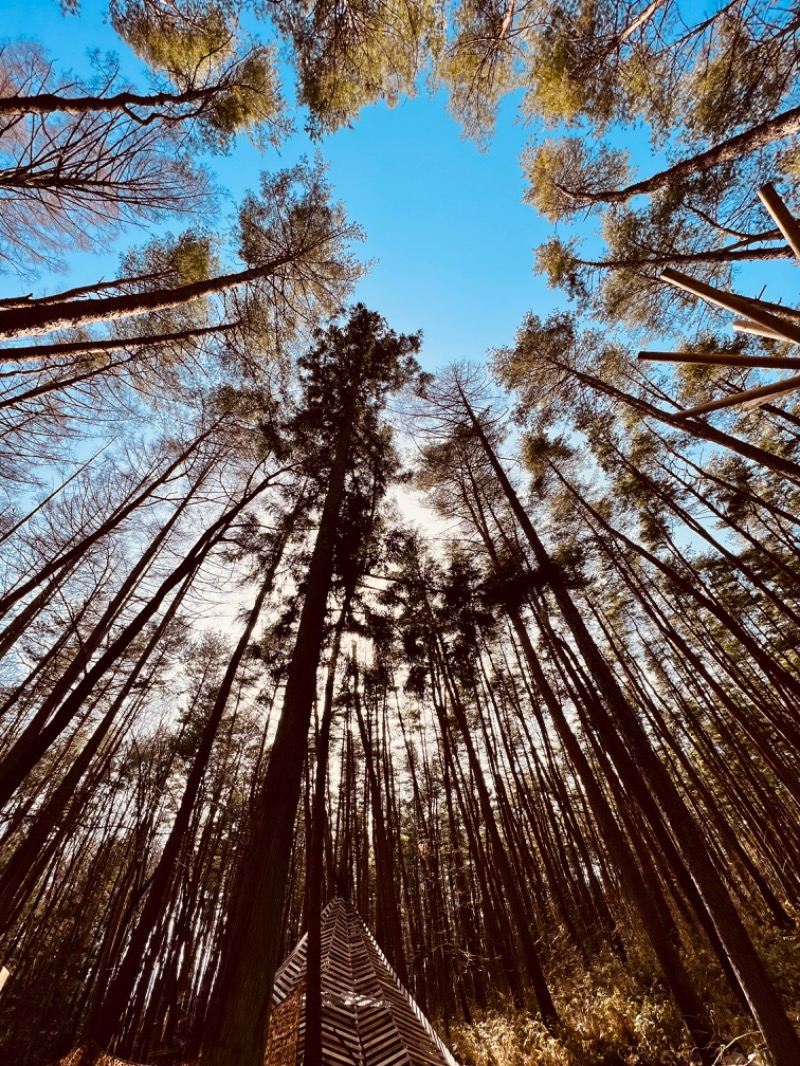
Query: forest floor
(614, 1013)
(619, 1014)
(498, 1038)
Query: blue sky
(445, 222)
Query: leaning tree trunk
(758, 136)
(238, 1015)
(105, 1024)
(34, 742)
(314, 861)
(778, 1032)
(33, 321)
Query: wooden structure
(368, 1018)
(756, 317)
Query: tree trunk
(111, 1009)
(238, 1016)
(778, 1032)
(33, 321)
(53, 103)
(727, 151)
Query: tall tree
(618, 726)
(347, 379)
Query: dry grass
(83, 1055)
(610, 1017)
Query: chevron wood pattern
(368, 1018)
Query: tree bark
(779, 1034)
(54, 103)
(111, 1008)
(750, 140)
(32, 745)
(238, 1016)
(24, 353)
(33, 321)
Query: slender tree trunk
(778, 1032)
(32, 745)
(33, 321)
(643, 898)
(16, 873)
(111, 1009)
(54, 103)
(70, 555)
(236, 1028)
(28, 352)
(759, 136)
(391, 936)
(710, 255)
(696, 427)
(519, 911)
(314, 860)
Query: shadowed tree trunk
(778, 1032)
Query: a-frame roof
(368, 1018)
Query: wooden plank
(284, 1029)
(765, 391)
(777, 362)
(781, 216)
(741, 325)
(789, 331)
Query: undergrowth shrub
(617, 1014)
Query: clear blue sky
(445, 222)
